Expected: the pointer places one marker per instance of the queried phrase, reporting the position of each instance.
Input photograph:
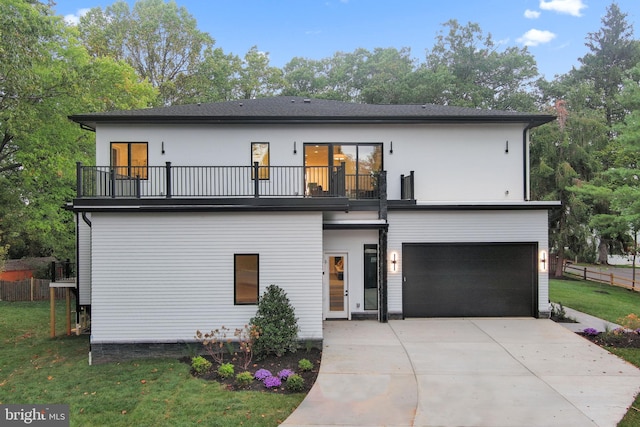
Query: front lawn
(597, 299)
(150, 392)
(609, 303)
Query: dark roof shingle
(284, 109)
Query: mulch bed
(615, 339)
(272, 363)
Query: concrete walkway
(584, 321)
(465, 372)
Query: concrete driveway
(465, 372)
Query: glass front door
(335, 284)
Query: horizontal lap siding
(160, 277)
(468, 227)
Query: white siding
(84, 261)
(452, 163)
(161, 276)
(464, 226)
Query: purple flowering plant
(271, 382)
(262, 374)
(285, 373)
(590, 331)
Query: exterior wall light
(394, 262)
(543, 261)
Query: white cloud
(74, 18)
(535, 37)
(531, 14)
(570, 7)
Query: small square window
(246, 284)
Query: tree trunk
(559, 263)
(603, 252)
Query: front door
(336, 290)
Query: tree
(613, 52)
(158, 39)
(257, 78)
(216, 78)
(592, 94)
(305, 77)
(379, 76)
(3, 253)
(480, 74)
(560, 158)
(386, 76)
(45, 75)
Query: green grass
(600, 300)
(607, 302)
(150, 392)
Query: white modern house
(356, 211)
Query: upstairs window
(260, 154)
(130, 159)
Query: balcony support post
(112, 182)
(256, 180)
(168, 179)
(79, 180)
(411, 174)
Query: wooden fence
(601, 277)
(28, 290)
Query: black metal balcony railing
(224, 181)
(407, 186)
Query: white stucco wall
(452, 163)
(159, 277)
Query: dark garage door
(466, 279)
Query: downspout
(77, 290)
(88, 222)
(383, 312)
(86, 219)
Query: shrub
(214, 343)
(630, 321)
(246, 338)
(305, 365)
(225, 370)
(590, 331)
(243, 379)
(261, 374)
(200, 365)
(276, 321)
(295, 383)
(271, 382)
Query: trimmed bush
(295, 383)
(225, 370)
(277, 324)
(243, 379)
(200, 365)
(305, 365)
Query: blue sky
(554, 30)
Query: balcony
(168, 181)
